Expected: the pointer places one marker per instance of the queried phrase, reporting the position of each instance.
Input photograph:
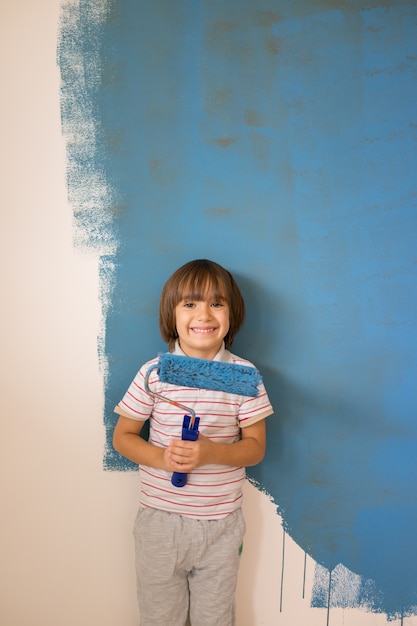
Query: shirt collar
(222, 355)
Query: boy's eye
(191, 305)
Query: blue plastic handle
(189, 433)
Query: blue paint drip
(281, 143)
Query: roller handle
(189, 433)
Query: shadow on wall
(337, 503)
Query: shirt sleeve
(137, 404)
(253, 410)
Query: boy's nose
(204, 310)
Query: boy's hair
(197, 280)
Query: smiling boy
(188, 539)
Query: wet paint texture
(279, 139)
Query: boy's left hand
(185, 456)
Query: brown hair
(196, 280)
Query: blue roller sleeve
(189, 433)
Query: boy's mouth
(202, 331)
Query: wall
(66, 544)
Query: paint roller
(185, 371)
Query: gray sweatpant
(185, 564)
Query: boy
(188, 539)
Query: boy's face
(201, 326)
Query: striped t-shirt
(211, 491)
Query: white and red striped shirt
(211, 491)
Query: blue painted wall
(277, 137)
